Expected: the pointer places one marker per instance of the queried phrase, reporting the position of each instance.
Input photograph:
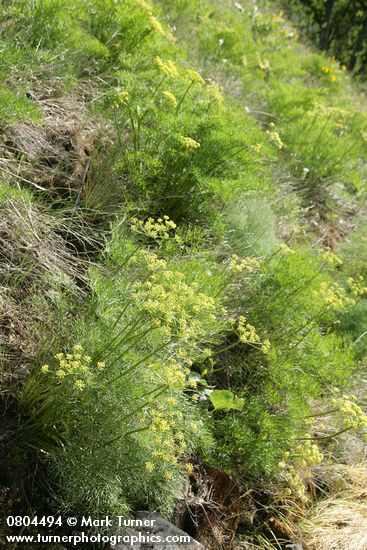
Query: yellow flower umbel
(168, 442)
(274, 137)
(157, 26)
(170, 98)
(189, 467)
(174, 305)
(60, 373)
(189, 143)
(283, 247)
(73, 369)
(246, 333)
(334, 296)
(215, 93)
(122, 97)
(265, 347)
(79, 385)
(246, 264)
(296, 469)
(167, 67)
(194, 76)
(353, 416)
(149, 466)
(357, 286)
(155, 229)
(330, 257)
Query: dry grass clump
(339, 522)
(54, 154)
(32, 245)
(345, 480)
(38, 266)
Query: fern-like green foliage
(207, 341)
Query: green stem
(162, 388)
(316, 437)
(120, 436)
(145, 358)
(183, 97)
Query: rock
(147, 537)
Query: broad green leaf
(225, 399)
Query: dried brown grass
(37, 266)
(54, 154)
(339, 522)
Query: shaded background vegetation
(338, 27)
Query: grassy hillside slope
(182, 269)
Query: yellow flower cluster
(73, 364)
(168, 443)
(157, 26)
(155, 229)
(353, 415)
(333, 295)
(256, 147)
(296, 470)
(189, 143)
(167, 67)
(185, 357)
(357, 286)
(246, 264)
(264, 65)
(189, 467)
(170, 98)
(286, 249)
(265, 347)
(327, 71)
(151, 260)
(121, 98)
(215, 93)
(172, 374)
(330, 257)
(149, 466)
(309, 455)
(335, 115)
(144, 5)
(79, 385)
(274, 137)
(246, 333)
(194, 76)
(176, 306)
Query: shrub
(102, 418)
(294, 304)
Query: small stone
(160, 528)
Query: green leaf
(225, 399)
